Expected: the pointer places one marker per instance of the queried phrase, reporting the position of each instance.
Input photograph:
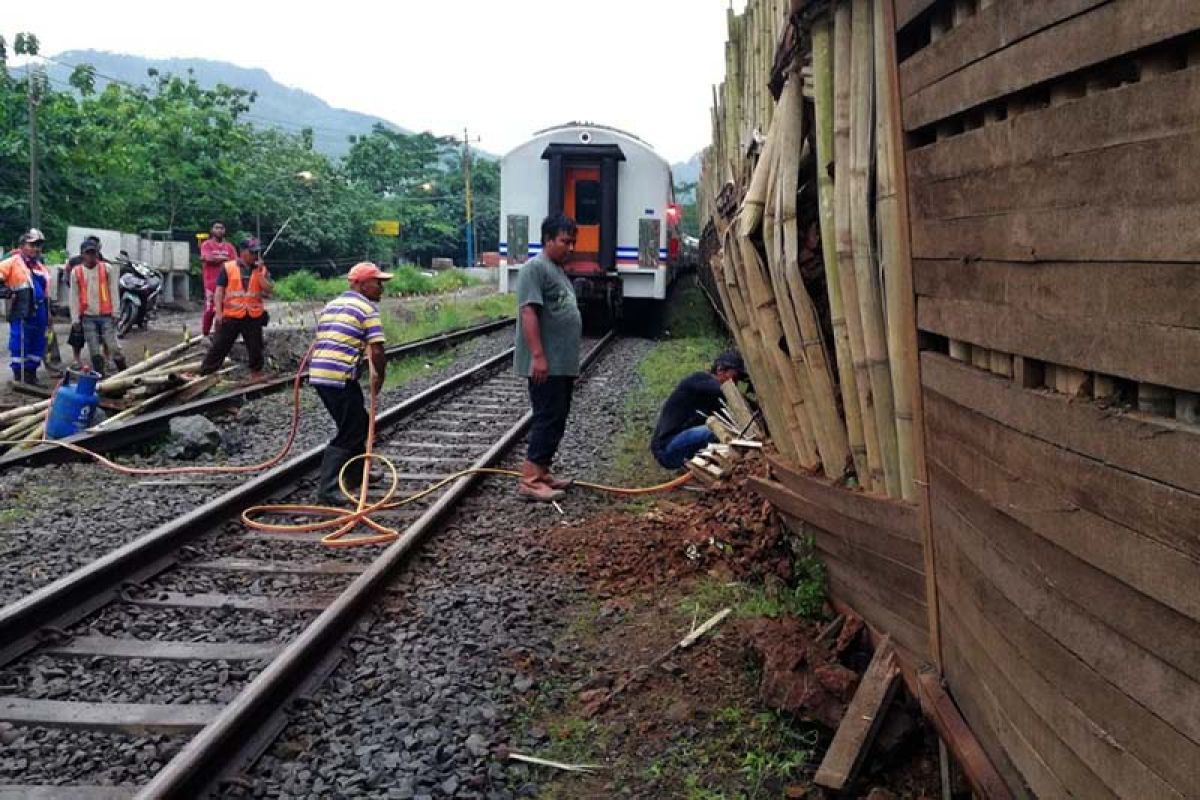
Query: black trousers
(224, 337)
(551, 402)
(346, 407)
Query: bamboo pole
(768, 315)
(160, 358)
(808, 348)
(896, 269)
(771, 398)
(822, 34)
(869, 294)
(23, 411)
(872, 479)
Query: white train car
(619, 192)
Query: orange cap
(365, 271)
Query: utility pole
(35, 203)
(470, 215)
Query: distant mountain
(686, 171)
(277, 106)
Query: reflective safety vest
(240, 301)
(80, 279)
(14, 273)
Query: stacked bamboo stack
(153, 382)
(813, 269)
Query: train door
(581, 202)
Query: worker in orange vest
(25, 279)
(95, 289)
(238, 309)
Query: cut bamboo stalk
(960, 351)
(1157, 400)
(981, 357)
(23, 411)
(770, 398)
(822, 34)
(159, 359)
(1073, 382)
(1187, 407)
(808, 349)
(862, 79)
(1103, 386)
(901, 342)
(872, 479)
(1002, 364)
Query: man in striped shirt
(348, 329)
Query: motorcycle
(141, 285)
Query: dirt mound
(727, 532)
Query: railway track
(228, 626)
(146, 426)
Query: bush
(305, 285)
(411, 280)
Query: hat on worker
(251, 244)
(730, 359)
(33, 235)
(90, 243)
(365, 271)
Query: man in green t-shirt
(549, 329)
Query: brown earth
(747, 711)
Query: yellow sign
(386, 227)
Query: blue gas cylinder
(73, 405)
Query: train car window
(587, 202)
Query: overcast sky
(505, 69)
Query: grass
(694, 338)
(404, 370)
(408, 280)
(806, 598)
(409, 324)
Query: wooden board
(1151, 173)
(1086, 233)
(977, 599)
(981, 773)
(1111, 30)
(1129, 292)
(1092, 765)
(1161, 573)
(1153, 447)
(908, 10)
(990, 29)
(898, 517)
(1021, 599)
(1152, 109)
(866, 711)
(904, 620)
(1149, 353)
(1138, 616)
(1159, 512)
(868, 537)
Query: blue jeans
(684, 445)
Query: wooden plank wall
(871, 548)
(1053, 157)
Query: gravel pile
(126, 680)
(193, 624)
(425, 698)
(58, 518)
(57, 757)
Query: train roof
(566, 127)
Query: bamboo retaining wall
(1037, 539)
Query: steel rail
(197, 769)
(26, 622)
(145, 426)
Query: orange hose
(341, 521)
